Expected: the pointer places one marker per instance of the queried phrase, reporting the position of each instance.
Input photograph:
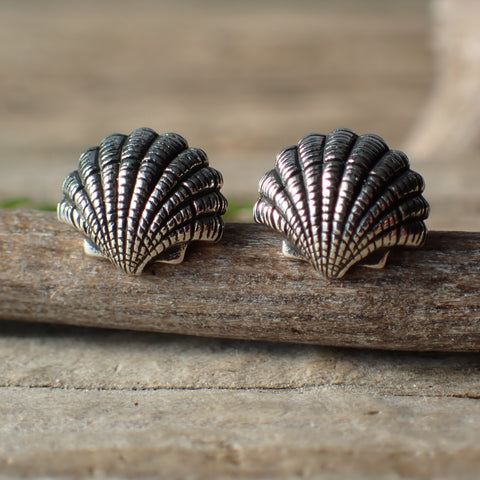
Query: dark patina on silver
(143, 197)
(340, 199)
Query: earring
(142, 198)
(340, 199)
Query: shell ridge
(172, 233)
(338, 146)
(72, 190)
(182, 234)
(305, 219)
(212, 202)
(266, 214)
(150, 170)
(133, 151)
(153, 171)
(191, 179)
(190, 231)
(387, 204)
(397, 226)
(365, 154)
(311, 149)
(79, 202)
(193, 207)
(279, 208)
(156, 159)
(69, 189)
(78, 191)
(128, 180)
(189, 208)
(166, 184)
(414, 236)
(67, 213)
(368, 197)
(166, 195)
(90, 176)
(164, 246)
(412, 209)
(109, 160)
(212, 225)
(291, 176)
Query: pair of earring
(337, 199)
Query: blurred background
(240, 80)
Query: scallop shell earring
(340, 199)
(143, 198)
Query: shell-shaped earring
(340, 199)
(143, 197)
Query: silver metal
(142, 198)
(340, 199)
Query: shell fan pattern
(142, 198)
(340, 199)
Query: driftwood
(425, 299)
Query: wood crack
(351, 389)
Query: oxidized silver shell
(143, 198)
(340, 198)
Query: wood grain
(426, 299)
(322, 433)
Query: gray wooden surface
(82, 402)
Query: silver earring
(340, 199)
(143, 197)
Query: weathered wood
(66, 357)
(425, 299)
(78, 402)
(320, 433)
